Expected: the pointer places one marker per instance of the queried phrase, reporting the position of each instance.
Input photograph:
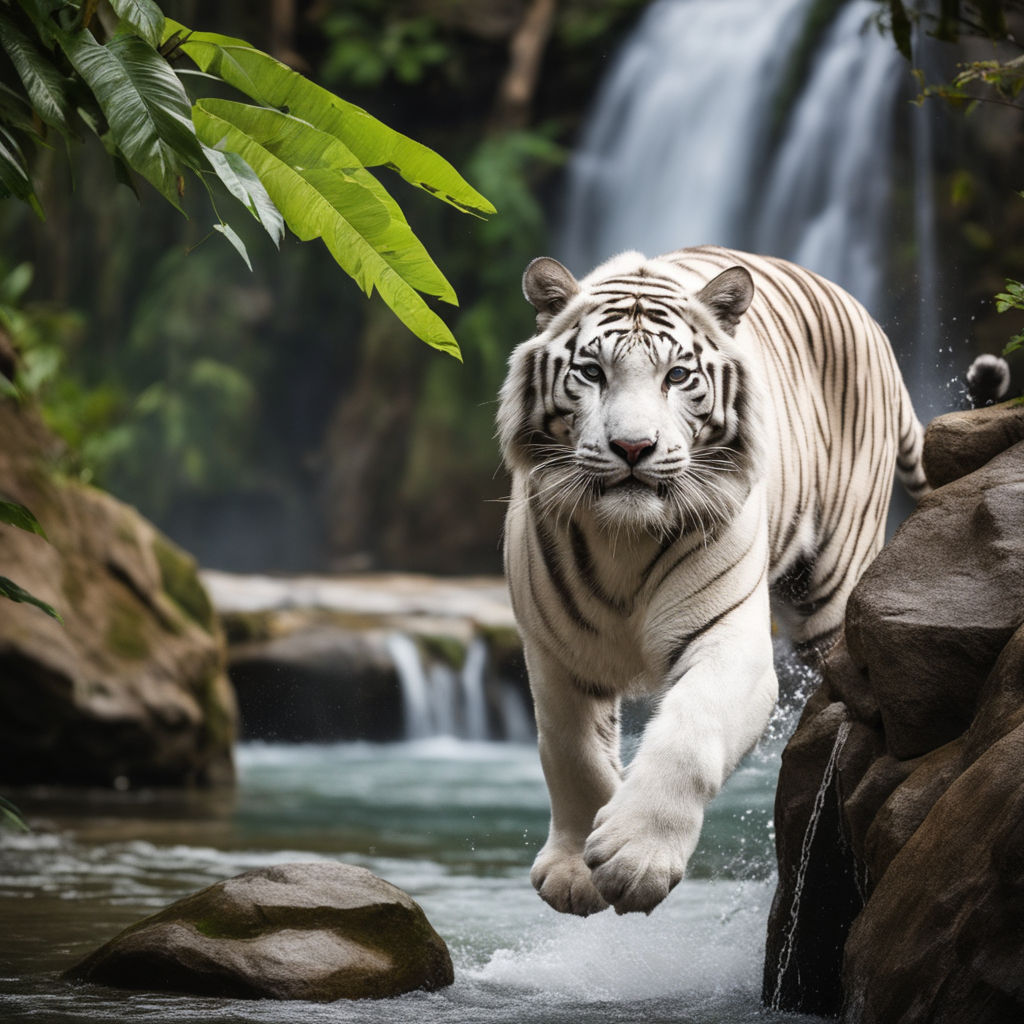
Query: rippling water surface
(455, 824)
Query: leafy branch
(290, 152)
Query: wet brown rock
(316, 931)
(132, 688)
(961, 442)
(940, 939)
(931, 614)
(924, 813)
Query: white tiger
(685, 435)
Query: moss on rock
(180, 578)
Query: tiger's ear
(548, 287)
(728, 296)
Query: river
(456, 824)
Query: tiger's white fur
(686, 436)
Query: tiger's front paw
(636, 861)
(563, 881)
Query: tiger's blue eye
(592, 371)
(677, 375)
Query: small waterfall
(466, 703)
(474, 701)
(416, 698)
(786, 952)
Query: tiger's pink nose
(632, 451)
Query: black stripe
(549, 553)
(584, 564)
(684, 642)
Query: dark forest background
(276, 420)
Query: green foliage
(1012, 298)
(17, 515)
(11, 816)
(11, 590)
(364, 53)
(69, 70)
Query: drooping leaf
(144, 16)
(144, 104)
(10, 815)
(241, 181)
(43, 83)
(11, 590)
(374, 144)
(14, 179)
(8, 389)
(232, 236)
(298, 145)
(900, 27)
(17, 515)
(302, 170)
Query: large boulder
(318, 931)
(898, 811)
(132, 688)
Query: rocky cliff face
(900, 808)
(131, 689)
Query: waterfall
(689, 143)
(470, 703)
(670, 153)
(826, 204)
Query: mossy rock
(180, 577)
(317, 931)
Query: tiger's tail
(909, 467)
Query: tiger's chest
(614, 609)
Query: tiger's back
(839, 424)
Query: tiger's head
(634, 402)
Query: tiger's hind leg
(810, 598)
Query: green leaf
(900, 27)
(241, 181)
(232, 236)
(374, 144)
(17, 515)
(143, 16)
(12, 816)
(14, 179)
(302, 171)
(43, 83)
(145, 105)
(39, 13)
(11, 590)
(8, 389)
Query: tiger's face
(625, 405)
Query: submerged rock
(132, 688)
(900, 800)
(316, 931)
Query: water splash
(789, 942)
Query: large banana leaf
(144, 103)
(374, 144)
(304, 173)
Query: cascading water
(439, 700)
(687, 145)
